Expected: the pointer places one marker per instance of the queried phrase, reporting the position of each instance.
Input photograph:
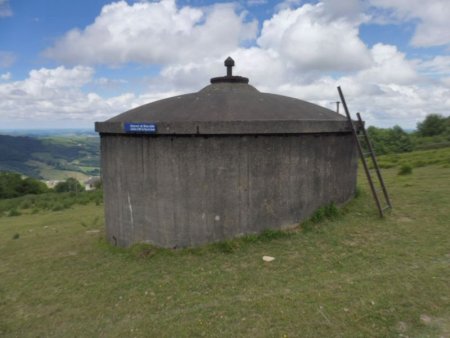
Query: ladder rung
(386, 207)
(378, 188)
(378, 192)
(373, 172)
(367, 153)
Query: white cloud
(154, 33)
(433, 15)
(189, 76)
(387, 92)
(382, 105)
(352, 10)
(44, 93)
(390, 66)
(308, 38)
(298, 48)
(439, 65)
(264, 68)
(446, 81)
(5, 9)
(58, 94)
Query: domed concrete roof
(229, 105)
(228, 102)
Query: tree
(400, 141)
(8, 184)
(69, 185)
(434, 124)
(12, 185)
(390, 140)
(32, 186)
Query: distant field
(51, 157)
(353, 276)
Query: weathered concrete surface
(230, 108)
(189, 190)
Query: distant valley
(50, 154)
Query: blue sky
(70, 63)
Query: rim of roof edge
(229, 105)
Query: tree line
(432, 132)
(14, 185)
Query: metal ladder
(375, 192)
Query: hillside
(354, 275)
(50, 157)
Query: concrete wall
(177, 191)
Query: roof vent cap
(229, 78)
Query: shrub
(69, 185)
(25, 205)
(405, 169)
(318, 216)
(390, 140)
(331, 211)
(226, 246)
(13, 185)
(58, 207)
(14, 212)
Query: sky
(67, 64)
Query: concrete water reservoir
(222, 162)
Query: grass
(351, 275)
(48, 201)
(416, 159)
(405, 169)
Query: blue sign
(141, 128)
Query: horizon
(93, 129)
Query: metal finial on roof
(230, 78)
(229, 63)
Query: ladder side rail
(375, 162)
(360, 150)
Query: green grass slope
(354, 276)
